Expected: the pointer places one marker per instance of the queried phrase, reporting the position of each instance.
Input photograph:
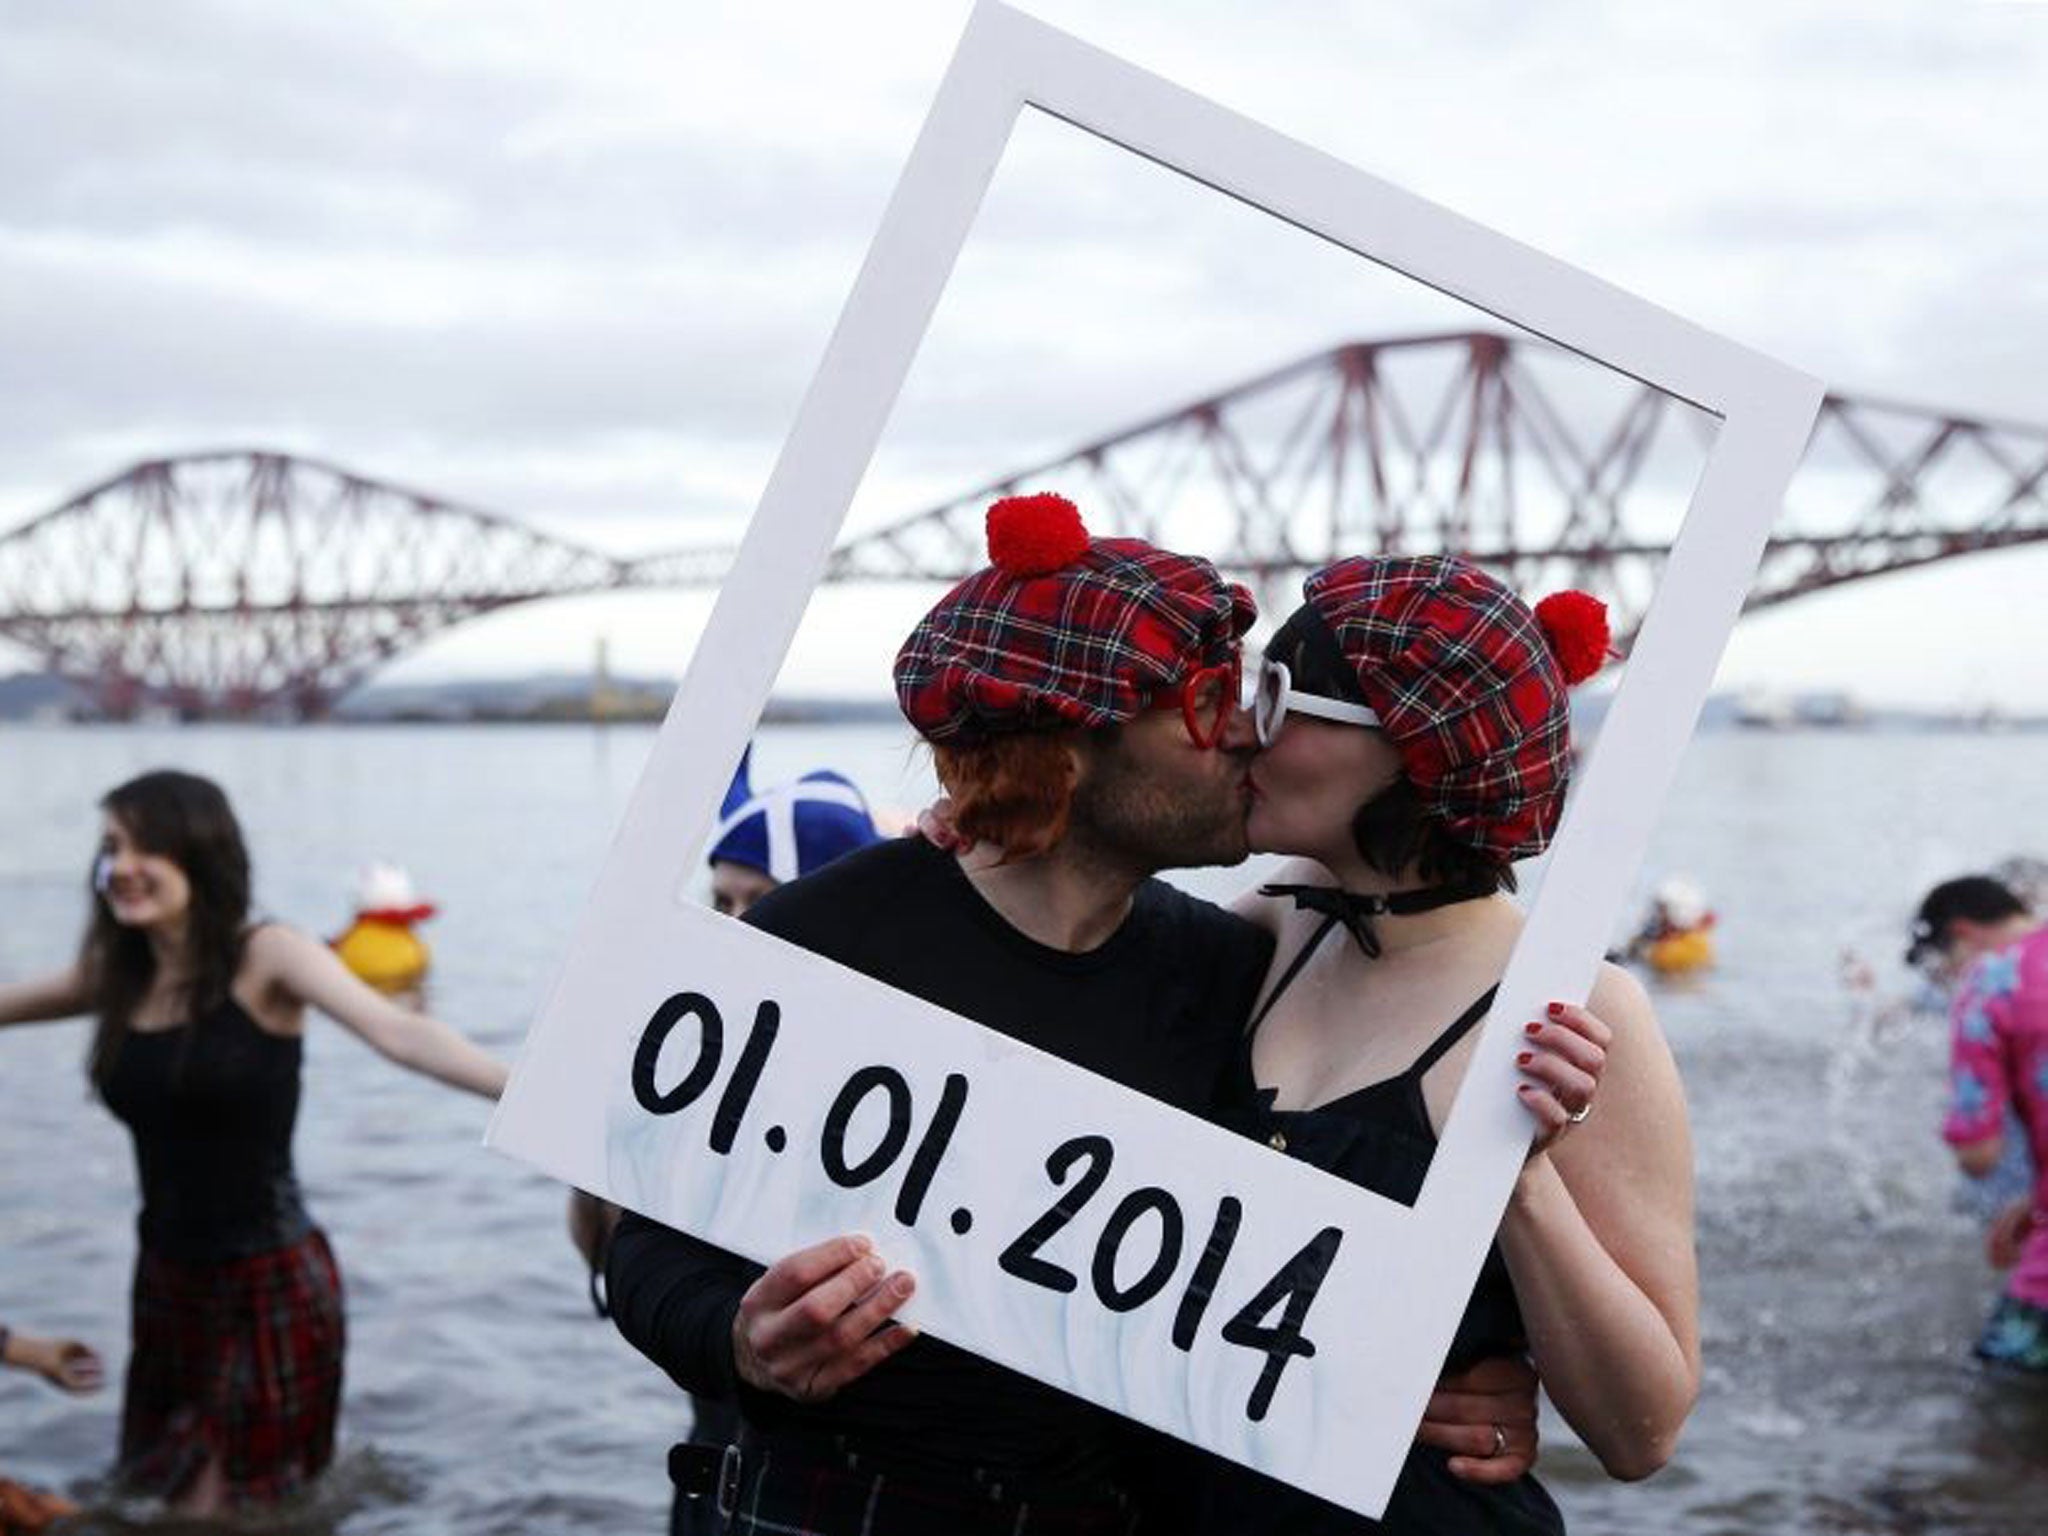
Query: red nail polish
(1525, 1058)
(1532, 1029)
(1557, 1010)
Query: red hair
(1013, 790)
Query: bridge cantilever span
(240, 582)
(231, 581)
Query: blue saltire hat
(789, 830)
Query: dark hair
(186, 819)
(1975, 898)
(1393, 831)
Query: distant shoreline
(557, 699)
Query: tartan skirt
(238, 1362)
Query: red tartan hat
(1063, 629)
(1469, 686)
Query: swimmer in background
(234, 1374)
(1962, 909)
(1676, 936)
(379, 944)
(1987, 939)
(764, 839)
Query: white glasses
(1275, 695)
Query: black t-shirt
(1158, 1007)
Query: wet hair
(1015, 789)
(1394, 831)
(1974, 898)
(187, 820)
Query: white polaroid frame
(1422, 1260)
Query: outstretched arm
(1598, 1238)
(58, 996)
(311, 972)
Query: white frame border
(1008, 61)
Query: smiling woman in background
(234, 1379)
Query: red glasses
(1206, 698)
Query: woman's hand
(64, 1363)
(1485, 1416)
(935, 825)
(1562, 1060)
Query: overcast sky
(574, 263)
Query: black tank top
(1380, 1137)
(211, 1105)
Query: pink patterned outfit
(1999, 1056)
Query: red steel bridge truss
(247, 583)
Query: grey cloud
(289, 126)
(677, 285)
(1990, 41)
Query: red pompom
(1031, 535)
(1575, 623)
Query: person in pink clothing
(1999, 1056)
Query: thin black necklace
(1356, 912)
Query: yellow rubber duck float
(380, 946)
(1677, 937)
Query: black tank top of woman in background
(1380, 1137)
(211, 1104)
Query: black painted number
(1129, 1210)
(1021, 1257)
(1194, 1301)
(924, 1162)
(1296, 1284)
(895, 1132)
(710, 1045)
(1148, 1217)
(739, 1089)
